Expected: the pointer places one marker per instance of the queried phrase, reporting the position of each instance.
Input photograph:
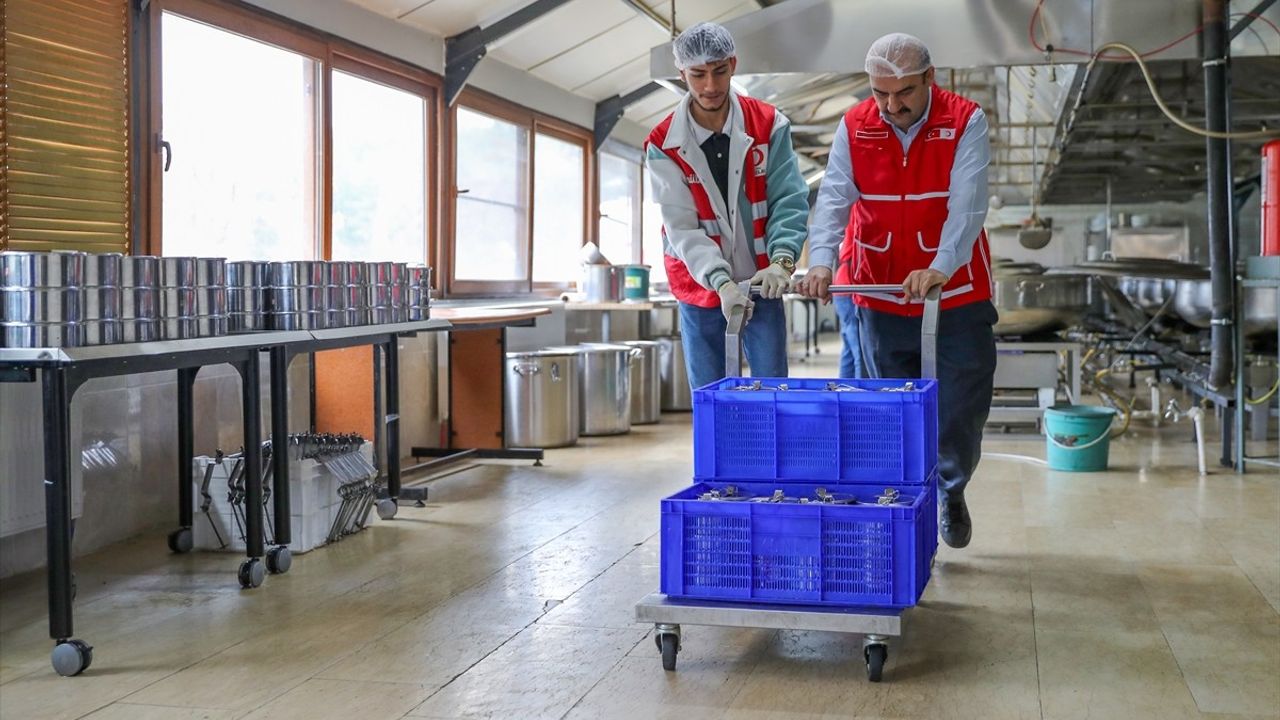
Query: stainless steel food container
(245, 299)
(211, 325)
(39, 335)
(101, 303)
(103, 269)
(417, 313)
(248, 273)
(340, 272)
(246, 322)
(381, 316)
(399, 273)
(139, 302)
(140, 271)
(542, 399)
(359, 316)
(336, 318)
(102, 332)
(41, 270)
(176, 302)
(297, 321)
(298, 273)
(178, 272)
(211, 300)
(419, 275)
(41, 305)
(136, 330)
(177, 328)
(378, 296)
(379, 273)
(310, 298)
(211, 271)
(340, 297)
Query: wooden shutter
(64, 125)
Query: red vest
(895, 226)
(758, 120)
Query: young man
(911, 161)
(734, 208)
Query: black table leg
(278, 557)
(394, 493)
(181, 540)
(252, 572)
(70, 656)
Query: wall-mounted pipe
(1218, 170)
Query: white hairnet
(897, 55)
(701, 44)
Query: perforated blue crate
(863, 555)
(810, 434)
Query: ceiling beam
(463, 52)
(609, 111)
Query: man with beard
(734, 208)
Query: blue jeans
(764, 339)
(850, 349)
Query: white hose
(1015, 458)
(1197, 420)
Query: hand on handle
(816, 284)
(773, 281)
(731, 296)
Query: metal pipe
(280, 444)
(186, 445)
(1218, 151)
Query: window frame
(635, 157)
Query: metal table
(876, 625)
(64, 371)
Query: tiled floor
(1143, 592)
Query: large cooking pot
(662, 321)
(676, 394)
(601, 283)
(1194, 303)
(541, 399)
(1030, 302)
(604, 382)
(1148, 293)
(646, 382)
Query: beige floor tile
(1230, 667)
(541, 673)
(1076, 510)
(603, 602)
(1110, 674)
(1074, 543)
(342, 700)
(1070, 594)
(1188, 543)
(639, 688)
(1203, 594)
(127, 711)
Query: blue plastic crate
(810, 434)
(863, 555)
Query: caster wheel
(876, 656)
(72, 657)
(387, 508)
(180, 540)
(251, 573)
(279, 560)
(670, 645)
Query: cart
(876, 625)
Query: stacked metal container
(177, 294)
(418, 300)
(399, 286)
(341, 294)
(378, 292)
(247, 283)
(296, 298)
(139, 298)
(101, 301)
(40, 304)
(211, 297)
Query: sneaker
(954, 524)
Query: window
(652, 241)
(492, 208)
(379, 172)
(559, 186)
(242, 132)
(619, 208)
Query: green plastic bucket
(1078, 437)
(635, 283)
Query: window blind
(64, 125)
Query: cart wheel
(670, 645)
(387, 508)
(180, 540)
(251, 574)
(279, 560)
(72, 657)
(876, 656)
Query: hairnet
(701, 44)
(897, 55)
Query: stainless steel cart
(876, 625)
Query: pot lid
(545, 352)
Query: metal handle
(167, 150)
(634, 354)
(522, 368)
(928, 326)
(555, 372)
(1024, 285)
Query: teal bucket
(1078, 437)
(635, 285)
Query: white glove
(731, 296)
(773, 281)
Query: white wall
(425, 50)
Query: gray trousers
(966, 368)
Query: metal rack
(63, 371)
(1256, 278)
